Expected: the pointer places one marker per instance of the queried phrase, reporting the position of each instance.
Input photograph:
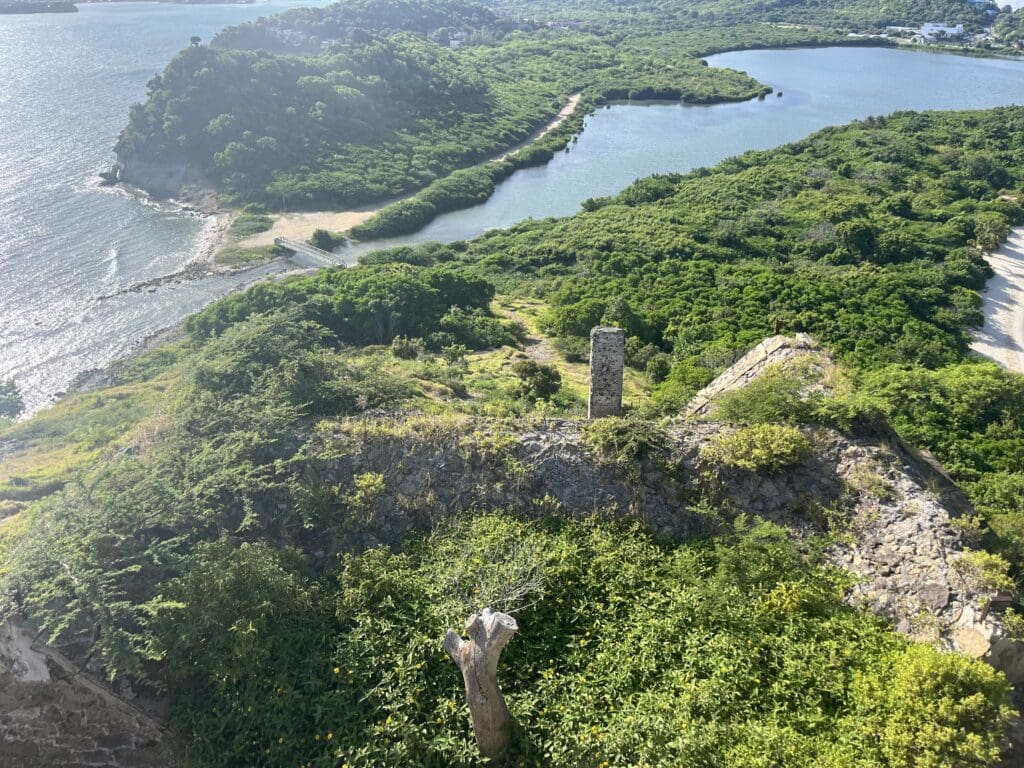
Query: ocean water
(70, 253)
(73, 256)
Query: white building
(932, 32)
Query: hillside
(340, 635)
(324, 473)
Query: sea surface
(73, 256)
(70, 253)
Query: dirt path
(1002, 336)
(539, 348)
(561, 117)
(299, 226)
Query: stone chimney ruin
(607, 356)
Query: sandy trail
(1002, 336)
(299, 226)
(561, 117)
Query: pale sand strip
(561, 117)
(1002, 336)
(299, 226)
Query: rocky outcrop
(53, 715)
(893, 511)
(164, 180)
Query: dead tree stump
(477, 658)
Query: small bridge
(308, 255)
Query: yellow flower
(337, 670)
(330, 736)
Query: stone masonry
(52, 715)
(607, 356)
(777, 351)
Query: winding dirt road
(1002, 336)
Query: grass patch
(235, 256)
(49, 448)
(251, 221)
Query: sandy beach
(299, 226)
(1002, 336)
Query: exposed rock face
(51, 715)
(896, 509)
(166, 180)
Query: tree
(454, 353)
(324, 240)
(11, 402)
(503, 569)
(195, 40)
(477, 659)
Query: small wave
(113, 266)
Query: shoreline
(301, 225)
(1001, 338)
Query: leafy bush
(361, 305)
(479, 330)
(405, 349)
(626, 442)
(762, 447)
(776, 396)
(326, 241)
(251, 221)
(985, 570)
(735, 653)
(537, 381)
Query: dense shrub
(325, 241)
(360, 305)
(738, 653)
(759, 448)
(537, 381)
(478, 330)
(11, 402)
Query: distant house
(932, 32)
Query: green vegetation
(632, 652)
(859, 15)
(372, 112)
(759, 448)
(970, 416)
(251, 221)
(538, 381)
(363, 101)
(1009, 25)
(200, 523)
(864, 236)
(325, 241)
(11, 402)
